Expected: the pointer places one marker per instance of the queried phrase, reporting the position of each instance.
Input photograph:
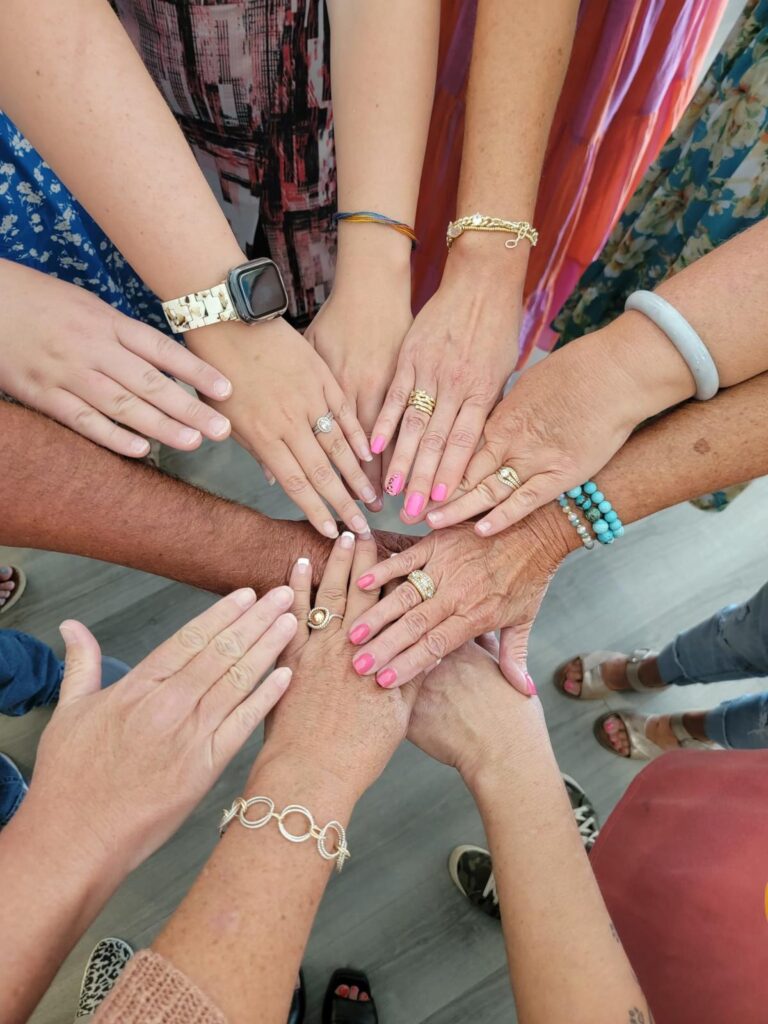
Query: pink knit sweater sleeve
(152, 991)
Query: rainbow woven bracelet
(371, 217)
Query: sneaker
(104, 967)
(13, 789)
(584, 812)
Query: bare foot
(657, 728)
(614, 673)
(354, 994)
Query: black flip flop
(337, 1010)
(299, 1002)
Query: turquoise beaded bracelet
(598, 512)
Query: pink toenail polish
(363, 663)
(610, 725)
(378, 444)
(365, 581)
(571, 687)
(439, 492)
(387, 678)
(414, 504)
(359, 633)
(395, 484)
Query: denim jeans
(30, 673)
(732, 644)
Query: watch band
(211, 306)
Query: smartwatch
(253, 292)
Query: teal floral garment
(709, 183)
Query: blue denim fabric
(30, 673)
(732, 644)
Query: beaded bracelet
(371, 217)
(574, 520)
(598, 512)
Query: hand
(123, 767)
(282, 387)
(358, 332)
(481, 585)
(73, 357)
(461, 350)
(331, 720)
(560, 424)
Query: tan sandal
(593, 685)
(19, 577)
(640, 747)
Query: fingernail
(571, 687)
(302, 566)
(189, 436)
(363, 663)
(287, 623)
(219, 426)
(330, 529)
(483, 528)
(376, 506)
(414, 504)
(359, 633)
(139, 446)
(386, 678)
(435, 518)
(359, 524)
(395, 484)
(365, 581)
(222, 388)
(283, 597)
(439, 492)
(68, 634)
(378, 444)
(531, 686)
(347, 539)
(369, 495)
(245, 597)
(281, 677)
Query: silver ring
(323, 424)
(321, 618)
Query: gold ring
(422, 401)
(422, 583)
(320, 618)
(508, 477)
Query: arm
(464, 342)
(498, 582)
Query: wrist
(480, 257)
(368, 251)
(555, 536)
(516, 747)
(294, 776)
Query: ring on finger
(320, 617)
(422, 583)
(508, 476)
(422, 401)
(323, 424)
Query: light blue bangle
(687, 342)
(597, 510)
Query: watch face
(258, 291)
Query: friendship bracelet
(239, 810)
(574, 520)
(370, 217)
(519, 229)
(685, 339)
(598, 512)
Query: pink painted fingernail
(359, 633)
(378, 444)
(439, 492)
(571, 687)
(414, 504)
(532, 691)
(365, 581)
(363, 663)
(610, 725)
(395, 484)
(387, 678)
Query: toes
(5, 572)
(572, 686)
(343, 991)
(574, 670)
(616, 735)
(364, 997)
(354, 992)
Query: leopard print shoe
(105, 963)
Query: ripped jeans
(733, 644)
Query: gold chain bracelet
(519, 229)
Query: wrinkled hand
(331, 719)
(281, 388)
(481, 585)
(123, 767)
(73, 357)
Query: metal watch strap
(199, 309)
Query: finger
(397, 565)
(488, 493)
(324, 480)
(300, 582)
(359, 601)
(436, 643)
(160, 392)
(81, 417)
(247, 716)
(413, 426)
(404, 632)
(341, 455)
(82, 668)
(394, 406)
(346, 418)
(538, 491)
(404, 602)
(459, 457)
(513, 654)
(172, 357)
(428, 457)
(334, 586)
(294, 482)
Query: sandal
(339, 1010)
(592, 684)
(19, 577)
(299, 1002)
(640, 747)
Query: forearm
(257, 898)
(73, 82)
(565, 961)
(70, 495)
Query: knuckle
(398, 394)
(154, 381)
(230, 644)
(321, 474)
(413, 422)
(83, 418)
(344, 411)
(338, 448)
(434, 441)
(295, 484)
(194, 408)
(241, 677)
(463, 438)
(123, 402)
(164, 347)
(334, 595)
(192, 638)
(436, 643)
(406, 596)
(485, 491)
(416, 623)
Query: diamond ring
(422, 583)
(323, 424)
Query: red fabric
(683, 866)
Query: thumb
(513, 655)
(82, 669)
